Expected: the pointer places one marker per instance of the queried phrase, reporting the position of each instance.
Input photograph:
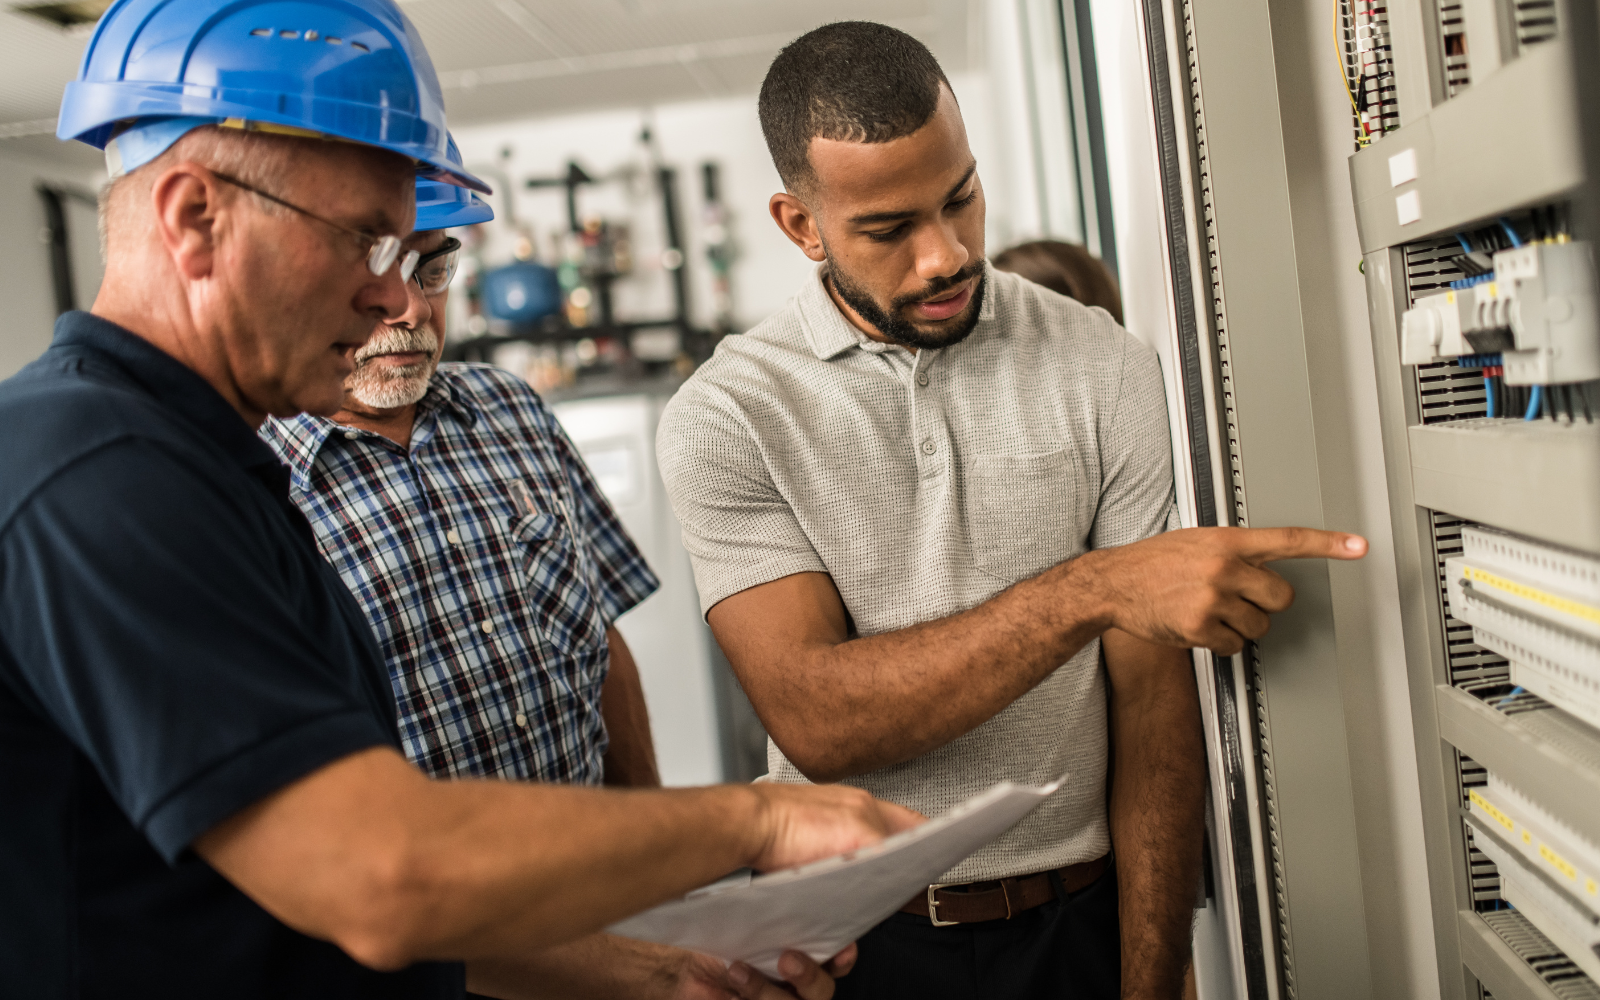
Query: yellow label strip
(1488, 807)
(1557, 862)
(1566, 606)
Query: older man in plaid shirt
(488, 562)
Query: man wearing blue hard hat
(204, 794)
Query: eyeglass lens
(435, 271)
(385, 250)
(408, 265)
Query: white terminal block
(1569, 859)
(1573, 928)
(1431, 330)
(1539, 607)
(1540, 313)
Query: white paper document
(823, 906)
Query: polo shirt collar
(173, 384)
(829, 334)
(305, 435)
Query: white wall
(25, 255)
(768, 268)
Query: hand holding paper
(828, 819)
(821, 907)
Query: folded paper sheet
(823, 906)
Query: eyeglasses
(381, 251)
(436, 268)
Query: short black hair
(856, 81)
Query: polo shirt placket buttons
(928, 447)
(922, 379)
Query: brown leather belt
(947, 904)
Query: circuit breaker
(1531, 316)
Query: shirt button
(487, 627)
(352, 434)
(928, 447)
(922, 378)
(522, 721)
(453, 537)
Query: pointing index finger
(1260, 545)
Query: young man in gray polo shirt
(923, 502)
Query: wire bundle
(1557, 402)
(1478, 246)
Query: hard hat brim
(90, 111)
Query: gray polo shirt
(925, 484)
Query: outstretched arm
(839, 706)
(1157, 801)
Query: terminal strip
(1539, 607)
(1547, 870)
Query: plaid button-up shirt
(490, 566)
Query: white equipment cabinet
(616, 436)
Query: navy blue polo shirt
(172, 649)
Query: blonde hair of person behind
(1066, 268)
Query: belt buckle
(933, 905)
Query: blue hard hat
(441, 206)
(345, 69)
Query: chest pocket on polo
(1020, 513)
(557, 583)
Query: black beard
(899, 330)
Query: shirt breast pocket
(1021, 513)
(556, 583)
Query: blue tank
(521, 292)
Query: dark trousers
(1068, 950)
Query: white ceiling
(505, 59)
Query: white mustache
(398, 340)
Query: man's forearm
(846, 706)
(396, 868)
(1157, 804)
(630, 759)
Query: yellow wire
(1362, 139)
(1338, 47)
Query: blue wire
(1514, 691)
(1464, 244)
(1464, 283)
(1534, 399)
(1516, 240)
(1488, 394)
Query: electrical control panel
(1485, 311)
